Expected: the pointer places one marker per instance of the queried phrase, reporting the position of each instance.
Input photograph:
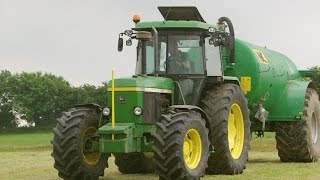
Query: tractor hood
(140, 83)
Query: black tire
(217, 104)
(70, 159)
(300, 141)
(170, 140)
(132, 163)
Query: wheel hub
(235, 131)
(91, 158)
(192, 148)
(314, 128)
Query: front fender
(195, 108)
(95, 106)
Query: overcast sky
(77, 39)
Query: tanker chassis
(197, 95)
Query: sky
(77, 39)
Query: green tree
(6, 101)
(91, 94)
(41, 97)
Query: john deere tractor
(197, 95)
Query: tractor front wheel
(300, 141)
(181, 145)
(72, 158)
(132, 163)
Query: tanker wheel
(181, 146)
(70, 142)
(300, 141)
(132, 163)
(228, 114)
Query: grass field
(27, 156)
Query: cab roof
(176, 17)
(188, 13)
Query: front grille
(165, 102)
(151, 107)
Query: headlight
(106, 111)
(137, 111)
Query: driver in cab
(178, 61)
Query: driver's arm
(184, 62)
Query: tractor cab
(181, 58)
(183, 47)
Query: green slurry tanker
(196, 97)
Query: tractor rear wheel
(300, 141)
(70, 141)
(181, 145)
(132, 163)
(228, 113)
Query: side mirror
(129, 42)
(120, 44)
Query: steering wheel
(174, 66)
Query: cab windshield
(178, 54)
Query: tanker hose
(231, 40)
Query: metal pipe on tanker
(231, 40)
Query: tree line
(40, 98)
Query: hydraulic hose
(231, 39)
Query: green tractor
(196, 97)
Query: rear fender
(231, 79)
(290, 105)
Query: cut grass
(27, 141)
(34, 165)
(31, 159)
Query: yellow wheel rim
(235, 131)
(192, 148)
(91, 158)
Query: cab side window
(213, 59)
